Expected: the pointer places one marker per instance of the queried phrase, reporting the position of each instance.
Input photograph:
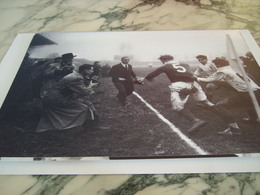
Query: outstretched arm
(198, 72)
(217, 76)
(155, 73)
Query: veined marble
(32, 16)
(176, 184)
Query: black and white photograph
(123, 95)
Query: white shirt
(208, 68)
(234, 79)
(125, 65)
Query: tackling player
(238, 84)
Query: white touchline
(174, 129)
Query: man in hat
(56, 71)
(67, 59)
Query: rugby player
(239, 86)
(183, 85)
(207, 68)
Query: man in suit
(123, 78)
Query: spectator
(67, 104)
(56, 71)
(123, 78)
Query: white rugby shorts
(194, 89)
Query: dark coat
(119, 71)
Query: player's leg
(251, 110)
(178, 102)
(220, 110)
(121, 92)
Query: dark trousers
(242, 99)
(123, 91)
(223, 113)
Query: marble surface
(182, 184)
(31, 16)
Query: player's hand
(91, 84)
(67, 69)
(95, 77)
(199, 79)
(139, 80)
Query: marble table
(31, 16)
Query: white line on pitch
(174, 129)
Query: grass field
(132, 131)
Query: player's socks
(196, 124)
(230, 131)
(226, 132)
(234, 125)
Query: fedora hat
(68, 56)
